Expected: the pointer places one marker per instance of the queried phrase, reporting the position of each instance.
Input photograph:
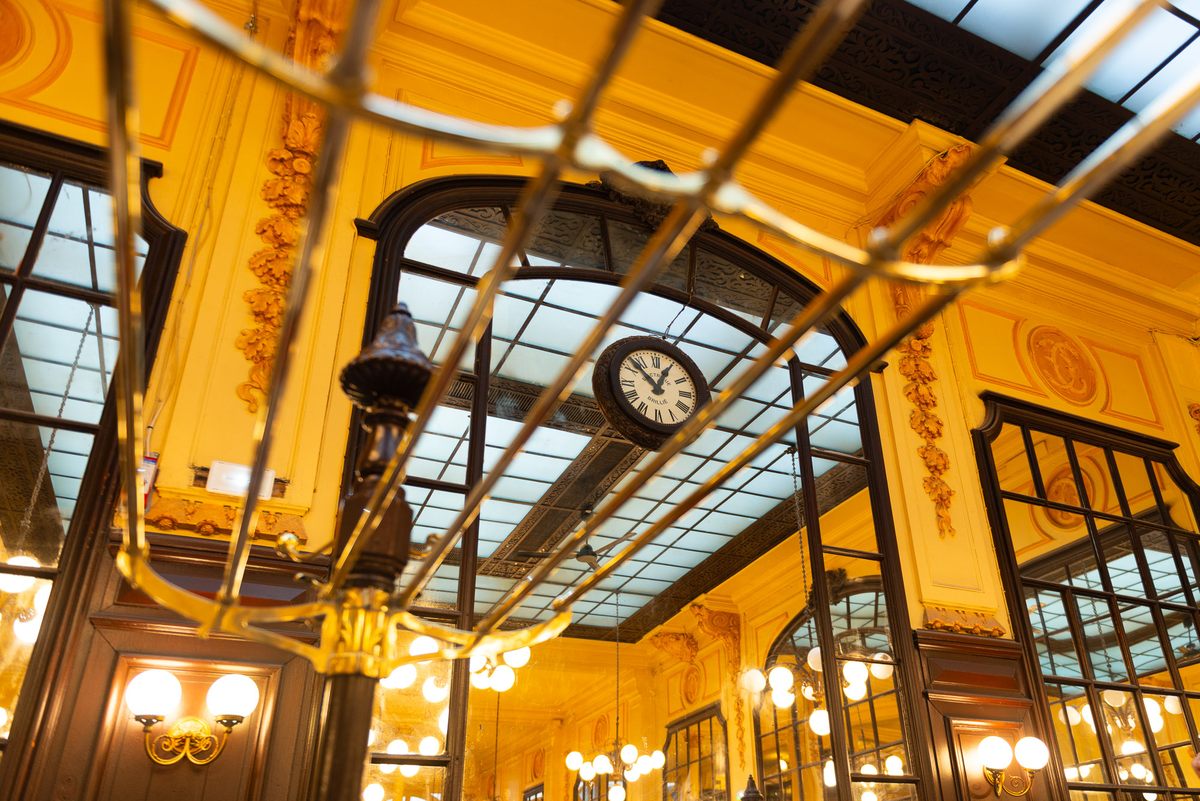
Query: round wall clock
(647, 388)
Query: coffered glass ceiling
(539, 323)
(1161, 51)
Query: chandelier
(363, 605)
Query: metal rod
(347, 73)
(535, 201)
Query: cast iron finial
(751, 792)
(391, 372)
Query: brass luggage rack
(362, 614)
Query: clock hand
(662, 377)
(645, 375)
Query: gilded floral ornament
(726, 628)
(681, 645)
(915, 362)
(315, 30)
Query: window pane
(1012, 461)
(1052, 633)
(1075, 732)
(1104, 651)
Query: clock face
(657, 387)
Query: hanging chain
(800, 532)
(27, 518)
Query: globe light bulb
(587, 772)
(602, 764)
(1114, 698)
(518, 658)
(632, 774)
(1171, 704)
(855, 692)
(616, 792)
(27, 630)
(372, 736)
(1137, 770)
(444, 720)
(1150, 796)
(868, 795)
(400, 678)
(658, 759)
(1085, 712)
(814, 659)
(481, 680)
(41, 599)
(1132, 747)
(995, 752)
(828, 774)
(893, 765)
(883, 668)
(1031, 753)
(1152, 707)
(503, 678)
(629, 753)
(1085, 771)
(1071, 773)
(432, 692)
(808, 691)
(15, 585)
(397, 748)
(1157, 724)
(408, 771)
(429, 746)
(783, 698)
(1123, 774)
(780, 678)
(234, 695)
(1071, 716)
(783, 765)
(373, 792)
(869, 770)
(153, 693)
(753, 681)
(818, 721)
(644, 764)
(478, 662)
(855, 672)
(423, 646)
(574, 760)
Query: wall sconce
(152, 694)
(996, 755)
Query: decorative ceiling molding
(679, 644)
(726, 628)
(909, 64)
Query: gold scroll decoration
(1062, 364)
(915, 354)
(311, 40)
(726, 628)
(681, 645)
(962, 621)
(1194, 413)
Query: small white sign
(230, 478)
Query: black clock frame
(617, 409)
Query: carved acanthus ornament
(726, 628)
(681, 645)
(173, 514)
(313, 37)
(915, 355)
(962, 621)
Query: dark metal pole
(346, 714)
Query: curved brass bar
(470, 642)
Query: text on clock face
(657, 387)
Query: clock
(647, 389)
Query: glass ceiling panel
(1129, 75)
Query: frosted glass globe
(429, 746)
(818, 721)
(432, 692)
(373, 792)
(1085, 712)
(1072, 773)
(481, 680)
(855, 672)
(783, 698)
(995, 752)
(400, 678)
(1031, 753)
(869, 770)
(423, 646)
(397, 748)
(814, 659)
(808, 691)
(234, 694)
(1132, 747)
(574, 760)
(41, 599)
(629, 753)
(408, 771)
(27, 630)
(153, 692)
(616, 793)
(1172, 705)
(868, 795)
(829, 774)
(780, 678)
(855, 692)
(1070, 715)
(503, 678)
(444, 720)
(1114, 698)
(882, 669)
(602, 764)
(1152, 707)
(587, 772)
(632, 774)
(372, 736)
(15, 585)
(518, 658)
(658, 759)
(1137, 770)
(754, 681)
(1157, 724)
(478, 663)
(644, 763)
(893, 765)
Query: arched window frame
(398, 218)
(1002, 411)
(712, 718)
